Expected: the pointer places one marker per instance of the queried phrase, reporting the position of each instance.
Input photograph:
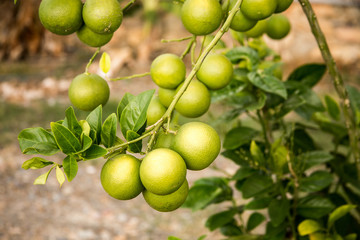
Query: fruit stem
(176, 40)
(131, 77)
(128, 5)
(91, 60)
(336, 78)
(187, 50)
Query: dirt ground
(81, 209)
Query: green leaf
(314, 207)
(279, 155)
(95, 121)
(41, 180)
(37, 141)
(316, 181)
(314, 158)
(255, 220)
(255, 185)
(290, 104)
(332, 107)
(123, 103)
(235, 55)
(95, 151)
(275, 233)
(242, 173)
(231, 229)
(173, 238)
(105, 62)
(339, 213)
(354, 96)
(134, 147)
(257, 204)
(240, 157)
(71, 123)
(308, 226)
(36, 163)
(352, 236)
(278, 211)
(309, 74)
(70, 167)
(239, 136)
(65, 139)
(60, 175)
(246, 100)
(86, 143)
(268, 84)
(133, 116)
(220, 219)
(15, 1)
(108, 131)
(202, 237)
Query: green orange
(120, 177)
(198, 144)
(155, 111)
(162, 171)
(168, 71)
(240, 22)
(215, 72)
(195, 101)
(282, 5)
(166, 96)
(93, 39)
(258, 30)
(169, 202)
(201, 17)
(278, 26)
(258, 9)
(62, 17)
(87, 91)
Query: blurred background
(36, 68)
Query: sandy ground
(81, 209)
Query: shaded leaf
(65, 139)
(231, 229)
(308, 226)
(37, 141)
(255, 220)
(236, 137)
(95, 121)
(220, 219)
(316, 181)
(36, 163)
(123, 103)
(243, 173)
(314, 207)
(257, 204)
(354, 96)
(134, 147)
(255, 185)
(86, 142)
(314, 158)
(332, 107)
(70, 166)
(71, 123)
(235, 55)
(95, 151)
(108, 131)
(278, 211)
(133, 116)
(268, 84)
(308, 74)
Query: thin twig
(91, 60)
(128, 5)
(188, 48)
(131, 77)
(176, 40)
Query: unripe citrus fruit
(87, 91)
(93, 39)
(120, 177)
(155, 111)
(61, 17)
(258, 30)
(166, 96)
(240, 22)
(168, 71)
(282, 5)
(169, 202)
(277, 71)
(195, 101)
(201, 17)
(219, 45)
(102, 16)
(215, 72)
(165, 140)
(198, 144)
(258, 9)
(162, 171)
(278, 26)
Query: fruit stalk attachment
(337, 80)
(91, 60)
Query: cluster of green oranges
(254, 18)
(161, 174)
(94, 22)
(168, 72)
